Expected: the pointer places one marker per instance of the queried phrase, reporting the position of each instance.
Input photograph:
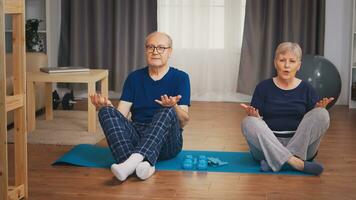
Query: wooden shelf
(39, 31)
(14, 6)
(14, 102)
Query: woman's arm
(250, 110)
(324, 102)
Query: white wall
(337, 49)
(50, 12)
(53, 23)
(36, 9)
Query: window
(193, 23)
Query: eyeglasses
(160, 50)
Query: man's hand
(324, 102)
(168, 101)
(250, 110)
(99, 101)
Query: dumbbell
(202, 162)
(55, 100)
(68, 101)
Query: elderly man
(158, 97)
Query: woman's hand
(324, 102)
(99, 101)
(168, 101)
(250, 110)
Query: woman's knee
(249, 124)
(321, 115)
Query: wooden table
(90, 78)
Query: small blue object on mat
(237, 162)
(216, 162)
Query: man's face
(158, 50)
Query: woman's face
(287, 65)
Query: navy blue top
(282, 110)
(142, 91)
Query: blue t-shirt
(282, 110)
(142, 91)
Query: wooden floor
(213, 126)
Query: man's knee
(167, 111)
(109, 112)
(104, 111)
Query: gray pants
(264, 145)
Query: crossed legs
(268, 149)
(138, 146)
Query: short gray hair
(291, 47)
(170, 43)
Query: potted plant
(36, 56)
(33, 41)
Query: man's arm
(124, 108)
(182, 114)
(181, 110)
(100, 101)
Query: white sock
(126, 168)
(144, 170)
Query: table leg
(91, 109)
(31, 106)
(104, 87)
(48, 101)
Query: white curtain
(207, 37)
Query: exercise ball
(322, 75)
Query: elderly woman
(286, 120)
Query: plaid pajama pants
(159, 140)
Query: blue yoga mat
(100, 157)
